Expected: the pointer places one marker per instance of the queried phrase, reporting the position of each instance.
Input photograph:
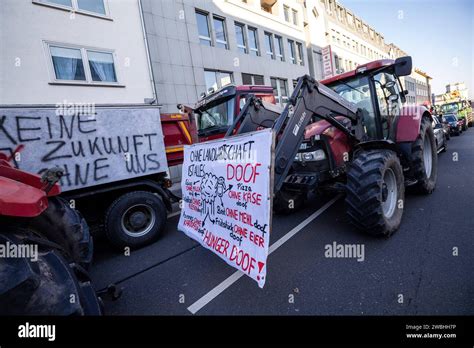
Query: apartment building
(422, 86)
(197, 46)
(349, 39)
(79, 51)
(460, 87)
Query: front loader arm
(309, 99)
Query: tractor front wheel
(375, 192)
(425, 159)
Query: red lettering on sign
(247, 173)
(241, 231)
(242, 259)
(256, 239)
(220, 245)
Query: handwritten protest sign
(109, 145)
(226, 189)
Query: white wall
(25, 26)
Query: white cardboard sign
(227, 190)
(112, 144)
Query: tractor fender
(21, 200)
(398, 148)
(409, 122)
(375, 145)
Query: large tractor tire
(425, 159)
(286, 202)
(135, 219)
(375, 192)
(45, 284)
(66, 227)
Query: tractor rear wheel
(425, 159)
(287, 202)
(375, 192)
(66, 227)
(42, 282)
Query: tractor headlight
(313, 156)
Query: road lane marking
(203, 301)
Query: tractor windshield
(449, 108)
(215, 116)
(357, 91)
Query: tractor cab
(215, 112)
(376, 90)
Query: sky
(438, 34)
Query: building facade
(460, 87)
(198, 45)
(169, 52)
(73, 50)
(422, 86)
(352, 41)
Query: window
(253, 41)
(67, 3)
(357, 91)
(90, 6)
(318, 64)
(291, 49)
(221, 36)
(295, 17)
(280, 90)
(203, 28)
(240, 37)
(82, 64)
(67, 63)
(102, 66)
(215, 116)
(286, 12)
(217, 79)
(279, 48)
(269, 45)
(249, 79)
(96, 6)
(388, 107)
(299, 53)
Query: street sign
(328, 70)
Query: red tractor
(45, 248)
(214, 113)
(352, 133)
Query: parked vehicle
(115, 162)
(454, 124)
(446, 128)
(462, 122)
(33, 217)
(440, 136)
(339, 137)
(455, 104)
(215, 112)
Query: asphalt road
(412, 273)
